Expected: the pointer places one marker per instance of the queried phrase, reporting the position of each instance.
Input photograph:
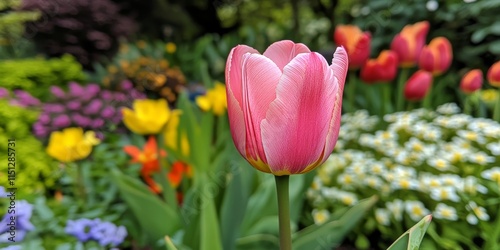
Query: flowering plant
(419, 162)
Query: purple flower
(108, 112)
(106, 95)
(120, 97)
(21, 221)
(74, 105)
(93, 107)
(53, 108)
(126, 85)
(75, 89)
(44, 118)
(3, 194)
(57, 92)
(26, 99)
(62, 121)
(81, 228)
(97, 123)
(81, 121)
(93, 89)
(3, 93)
(40, 130)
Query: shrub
(417, 162)
(36, 75)
(89, 30)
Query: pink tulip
(284, 106)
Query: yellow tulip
(71, 144)
(170, 48)
(214, 100)
(172, 133)
(147, 117)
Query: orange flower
(355, 42)
(494, 75)
(418, 85)
(471, 81)
(409, 43)
(148, 157)
(381, 69)
(436, 57)
(179, 169)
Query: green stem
(351, 90)
(496, 114)
(467, 105)
(403, 77)
(427, 99)
(284, 212)
(386, 97)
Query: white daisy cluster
(418, 162)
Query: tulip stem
(496, 114)
(467, 105)
(284, 212)
(403, 77)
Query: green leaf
(155, 217)
(412, 238)
(210, 234)
(233, 210)
(170, 245)
(332, 233)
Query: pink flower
(284, 106)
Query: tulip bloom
(436, 57)
(284, 105)
(148, 156)
(171, 134)
(147, 117)
(472, 81)
(418, 85)
(382, 69)
(214, 100)
(71, 144)
(409, 43)
(355, 42)
(494, 75)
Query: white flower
(472, 187)
(444, 193)
(445, 212)
(448, 108)
(451, 180)
(346, 179)
(429, 182)
(481, 158)
(492, 174)
(440, 164)
(317, 183)
(347, 198)
(396, 208)
(416, 210)
(373, 182)
(320, 216)
(471, 136)
(377, 168)
(404, 183)
(382, 216)
(477, 213)
(494, 148)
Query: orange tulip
(355, 42)
(409, 43)
(418, 85)
(381, 69)
(436, 57)
(148, 157)
(471, 81)
(494, 75)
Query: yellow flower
(214, 100)
(147, 117)
(170, 48)
(172, 134)
(71, 144)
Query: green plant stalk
(386, 97)
(351, 93)
(496, 114)
(403, 76)
(427, 99)
(467, 105)
(284, 212)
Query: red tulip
(355, 42)
(436, 57)
(381, 69)
(471, 81)
(418, 85)
(494, 75)
(409, 43)
(284, 105)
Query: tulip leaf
(209, 225)
(155, 217)
(233, 209)
(412, 238)
(332, 233)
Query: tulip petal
(260, 77)
(297, 122)
(283, 52)
(340, 65)
(133, 151)
(233, 93)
